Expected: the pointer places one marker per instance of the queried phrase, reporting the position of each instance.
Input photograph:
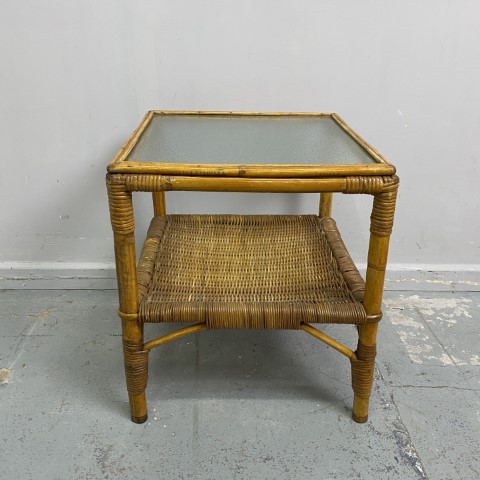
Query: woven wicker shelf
(257, 271)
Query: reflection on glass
(238, 140)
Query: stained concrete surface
(237, 404)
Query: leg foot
(360, 409)
(136, 372)
(138, 407)
(139, 419)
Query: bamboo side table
(248, 271)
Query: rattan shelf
(238, 271)
(248, 271)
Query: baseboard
(433, 277)
(57, 276)
(101, 276)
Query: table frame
(124, 178)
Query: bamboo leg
(326, 204)
(135, 357)
(363, 366)
(363, 363)
(159, 208)
(136, 370)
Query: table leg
(136, 359)
(326, 204)
(363, 364)
(159, 208)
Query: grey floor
(237, 404)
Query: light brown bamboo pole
(127, 147)
(135, 359)
(228, 184)
(132, 330)
(366, 146)
(367, 334)
(245, 114)
(326, 204)
(250, 170)
(381, 223)
(198, 327)
(328, 340)
(159, 207)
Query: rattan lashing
(258, 271)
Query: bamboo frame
(252, 171)
(323, 337)
(121, 213)
(364, 363)
(159, 208)
(125, 177)
(120, 164)
(234, 184)
(159, 183)
(325, 209)
(363, 143)
(198, 327)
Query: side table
(248, 271)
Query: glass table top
(240, 144)
(249, 139)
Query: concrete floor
(237, 404)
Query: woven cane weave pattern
(259, 271)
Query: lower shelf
(248, 271)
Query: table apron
(227, 184)
(349, 184)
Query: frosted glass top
(243, 140)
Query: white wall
(77, 76)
